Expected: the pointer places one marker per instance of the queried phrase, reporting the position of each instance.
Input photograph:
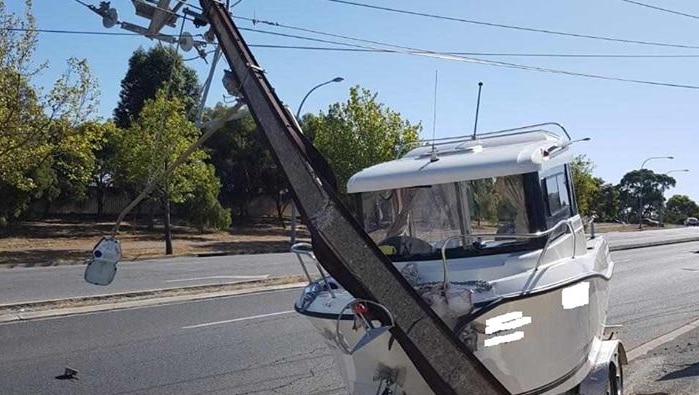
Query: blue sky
(627, 122)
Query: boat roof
(501, 153)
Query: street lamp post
(662, 208)
(298, 118)
(640, 190)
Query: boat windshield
(415, 221)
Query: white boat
(486, 229)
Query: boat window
(497, 205)
(414, 223)
(557, 197)
(412, 220)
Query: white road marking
(262, 276)
(254, 317)
(668, 337)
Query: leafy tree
(646, 184)
(359, 133)
(606, 202)
(152, 145)
(42, 146)
(486, 201)
(149, 71)
(679, 207)
(244, 164)
(587, 187)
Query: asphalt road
(654, 291)
(254, 344)
(35, 284)
(161, 350)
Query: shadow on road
(688, 371)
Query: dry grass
(60, 242)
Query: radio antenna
(478, 106)
(434, 158)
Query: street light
(640, 191)
(662, 207)
(298, 118)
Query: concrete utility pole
(340, 244)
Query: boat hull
(543, 342)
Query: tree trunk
(100, 200)
(168, 232)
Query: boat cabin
(483, 196)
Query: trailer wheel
(616, 380)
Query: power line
(514, 27)
(493, 54)
(367, 50)
(661, 9)
(444, 56)
(83, 32)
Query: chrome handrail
(307, 249)
(466, 237)
(487, 135)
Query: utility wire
(638, 3)
(341, 49)
(514, 27)
(444, 56)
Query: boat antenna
(433, 157)
(478, 106)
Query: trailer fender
(610, 357)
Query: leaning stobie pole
(340, 244)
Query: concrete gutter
(126, 300)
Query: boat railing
(466, 239)
(301, 249)
(537, 128)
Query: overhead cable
(515, 27)
(661, 9)
(445, 56)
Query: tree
(587, 187)
(151, 145)
(359, 133)
(149, 71)
(606, 202)
(679, 207)
(41, 138)
(244, 163)
(647, 185)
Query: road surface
(35, 284)
(254, 345)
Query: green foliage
(149, 71)
(152, 144)
(243, 163)
(45, 151)
(359, 133)
(587, 187)
(679, 207)
(486, 201)
(606, 203)
(648, 183)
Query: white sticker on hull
(576, 296)
(506, 322)
(495, 340)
